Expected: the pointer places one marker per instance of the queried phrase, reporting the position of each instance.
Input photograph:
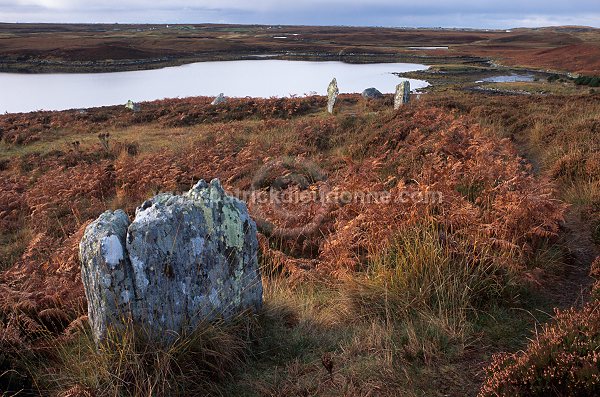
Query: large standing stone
(372, 93)
(182, 260)
(332, 94)
(402, 94)
(219, 100)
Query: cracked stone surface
(184, 259)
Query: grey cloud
(460, 13)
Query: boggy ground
(37, 48)
(408, 295)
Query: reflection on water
(513, 78)
(428, 48)
(258, 78)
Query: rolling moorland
(488, 290)
(36, 48)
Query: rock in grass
(133, 106)
(402, 94)
(184, 259)
(332, 94)
(372, 93)
(105, 271)
(219, 100)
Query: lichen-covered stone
(402, 94)
(372, 93)
(332, 94)
(219, 100)
(187, 258)
(105, 270)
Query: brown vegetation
(561, 361)
(561, 134)
(131, 47)
(386, 287)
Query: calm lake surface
(258, 78)
(513, 78)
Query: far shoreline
(105, 48)
(42, 66)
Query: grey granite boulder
(402, 94)
(372, 93)
(184, 259)
(332, 94)
(219, 100)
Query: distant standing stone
(133, 106)
(372, 93)
(402, 94)
(219, 100)
(332, 93)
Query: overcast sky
(411, 13)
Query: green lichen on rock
(232, 227)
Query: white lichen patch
(112, 250)
(140, 276)
(146, 216)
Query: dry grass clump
(472, 185)
(126, 364)
(428, 279)
(11, 202)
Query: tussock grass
(127, 364)
(431, 287)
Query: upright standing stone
(219, 100)
(184, 259)
(402, 94)
(332, 94)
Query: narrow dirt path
(574, 288)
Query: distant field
(68, 48)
